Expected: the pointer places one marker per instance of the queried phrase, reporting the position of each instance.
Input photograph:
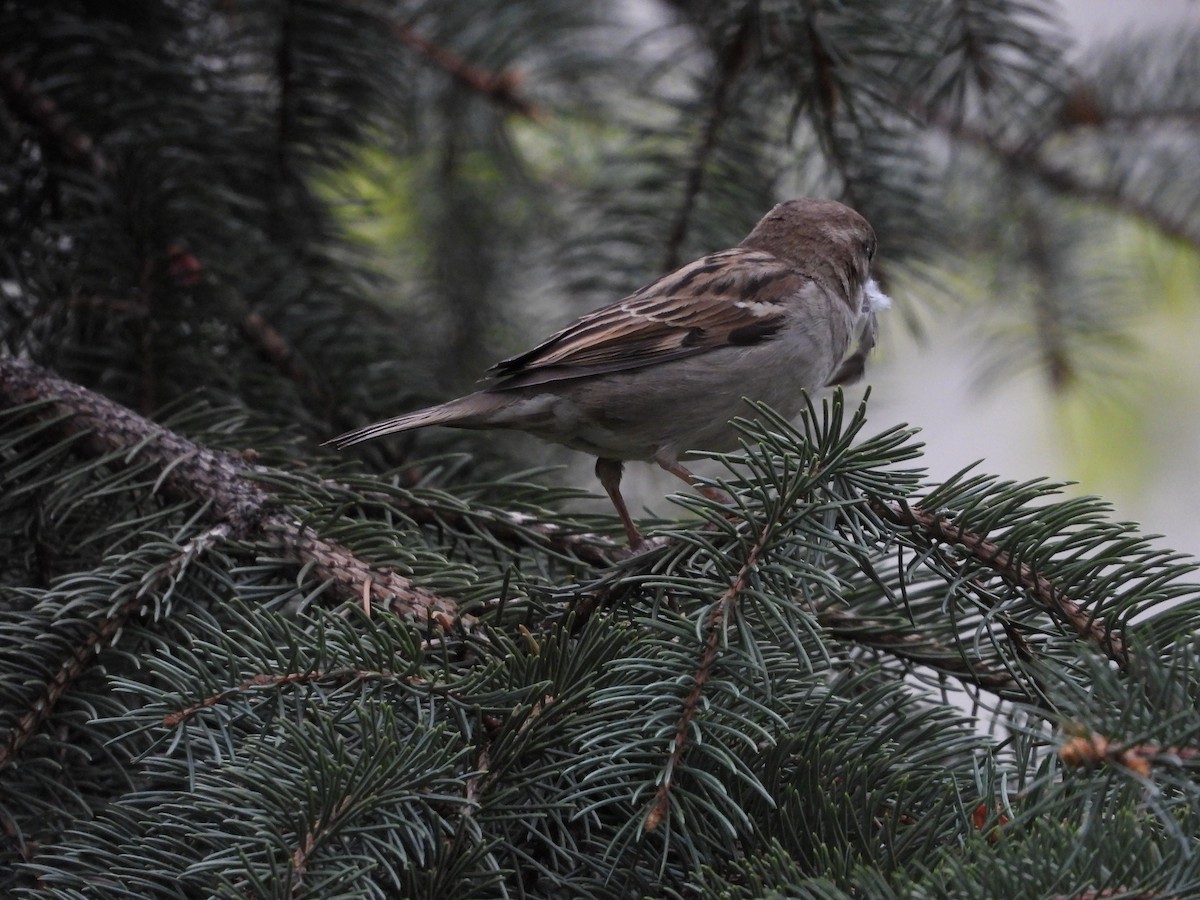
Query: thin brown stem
(730, 61)
(83, 656)
(40, 111)
(1039, 588)
(1092, 750)
(502, 88)
(721, 612)
(921, 650)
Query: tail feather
(459, 412)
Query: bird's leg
(609, 473)
(676, 468)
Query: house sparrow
(662, 371)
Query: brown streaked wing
(732, 298)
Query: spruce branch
(281, 353)
(825, 84)
(919, 649)
(508, 527)
(731, 60)
(1092, 750)
(86, 648)
(285, 112)
(374, 586)
(1048, 313)
(502, 88)
(328, 823)
(40, 111)
(225, 481)
(824, 69)
(1023, 159)
(485, 775)
(937, 528)
(68, 673)
(718, 617)
(269, 682)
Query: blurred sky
(1093, 20)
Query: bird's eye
(869, 247)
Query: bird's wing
(733, 298)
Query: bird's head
(822, 238)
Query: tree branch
(190, 471)
(84, 653)
(1022, 159)
(311, 840)
(1039, 588)
(40, 111)
(273, 682)
(242, 509)
(721, 611)
(506, 527)
(920, 650)
(1048, 312)
(729, 62)
(499, 87)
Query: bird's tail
(464, 412)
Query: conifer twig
(242, 508)
(720, 613)
(918, 649)
(1021, 158)
(732, 58)
(1041, 589)
(41, 111)
(499, 87)
(311, 840)
(84, 652)
(281, 353)
(1090, 751)
(509, 527)
(190, 471)
(266, 681)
